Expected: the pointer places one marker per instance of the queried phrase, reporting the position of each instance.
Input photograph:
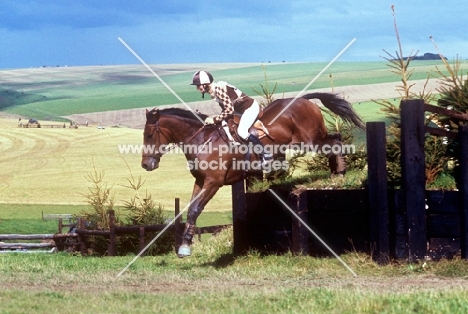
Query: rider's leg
(247, 120)
(264, 155)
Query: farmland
(51, 93)
(48, 166)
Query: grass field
(215, 280)
(48, 166)
(44, 170)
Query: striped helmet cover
(202, 77)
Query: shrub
(140, 211)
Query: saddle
(258, 129)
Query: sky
(36, 33)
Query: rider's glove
(209, 120)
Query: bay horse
(296, 121)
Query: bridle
(154, 154)
(159, 132)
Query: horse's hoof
(184, 250)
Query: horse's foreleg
(203, 193)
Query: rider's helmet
(202, 77)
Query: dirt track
(135, 118)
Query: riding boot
(264, 155)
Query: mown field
(49, 166)
(44, 170)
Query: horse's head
(154, 141)
(165, 126)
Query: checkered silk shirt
(225, 95)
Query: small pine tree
(266, 93)
(436, 158)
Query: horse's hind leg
(335, 158)
(337, 165)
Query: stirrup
(267, 159)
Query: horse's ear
(152, 115)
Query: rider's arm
(221, 94)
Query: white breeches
(247, 119)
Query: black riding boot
(265, 156)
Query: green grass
(354, 179)
(215, 280)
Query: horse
(295, 121)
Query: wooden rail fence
(60, 218)
(77, 240)
(114, 231)
(54, 241)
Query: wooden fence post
(239, 217)
(300, 234)
(142, 240)
(178, 227)
(413, 170)
(378, 191)
(463, 189)
(81, 225)
(112, 235)
(60, 225)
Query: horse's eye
(148, 136)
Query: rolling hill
(54, 93)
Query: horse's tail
(338, 106)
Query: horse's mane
(182, 113)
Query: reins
(196, 133)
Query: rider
(232, 100)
